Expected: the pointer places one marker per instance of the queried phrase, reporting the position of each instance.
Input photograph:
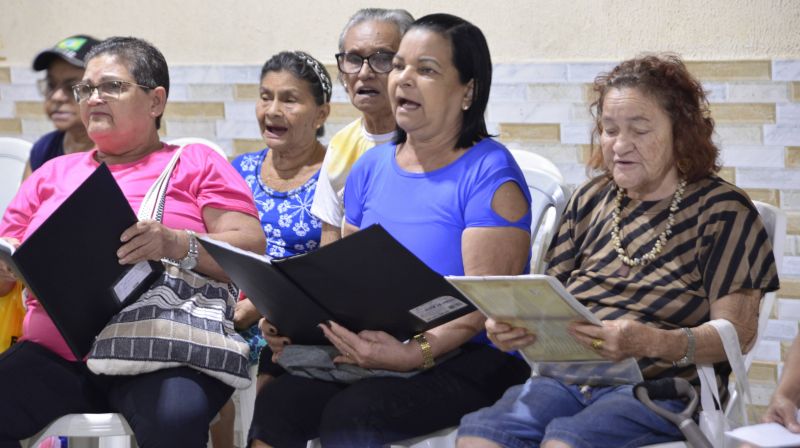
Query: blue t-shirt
(285, 217)
(428, 212)
(49, 146)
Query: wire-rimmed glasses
(106, 90)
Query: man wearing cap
(64, 64)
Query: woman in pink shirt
(122, 98)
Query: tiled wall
(541, 107)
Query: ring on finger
(597, 344)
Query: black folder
(70, 262)
(366, 281)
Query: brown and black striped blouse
(718, 246)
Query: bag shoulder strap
(153, 204)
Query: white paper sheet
(766, 435)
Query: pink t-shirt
(200, 179)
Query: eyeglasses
(107, 90)
(379, 62)
(47, 87)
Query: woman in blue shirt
(458, 201)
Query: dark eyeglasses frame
(340, 61)
(103, 90)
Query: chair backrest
(775, 223)
(183, 141)
(548, 199)
(774, 220)
(14, 154)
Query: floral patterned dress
(286, 219)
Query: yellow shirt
(344, 150)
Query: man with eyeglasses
(63, 65)
(366, 49)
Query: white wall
(248, 31)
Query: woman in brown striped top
(655, 245)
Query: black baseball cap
(72, 49)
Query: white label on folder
(437, 308)
(128, 283)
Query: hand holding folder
(70, 264)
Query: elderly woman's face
(367, 89)
(287, 113)
(427, 95)
(637, 144)
(113, 122)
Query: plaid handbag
(183, 319)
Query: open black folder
(366, 281)
(70, 262)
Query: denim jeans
(543, 408)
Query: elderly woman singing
(655, 245)
(367, 46)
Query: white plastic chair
(775, 224)
(192, 140)
(244, 400)
(549, 197)
(445, 438)
(111, 429)
(14, 154)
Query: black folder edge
(217, 250)
(441, 307)
(301, 330)
(156, 268)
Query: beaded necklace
(661, 241)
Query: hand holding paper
(535, 303)
(508, 338)
(615, 339)
(784, 411)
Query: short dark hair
(665, 77)
(303, 66)
(474, 63)
(146, 64)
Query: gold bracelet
(427, 353)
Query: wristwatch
(190, 260)
(688, 358)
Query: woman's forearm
(449, 336)
(237, 229)
(740, 308)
